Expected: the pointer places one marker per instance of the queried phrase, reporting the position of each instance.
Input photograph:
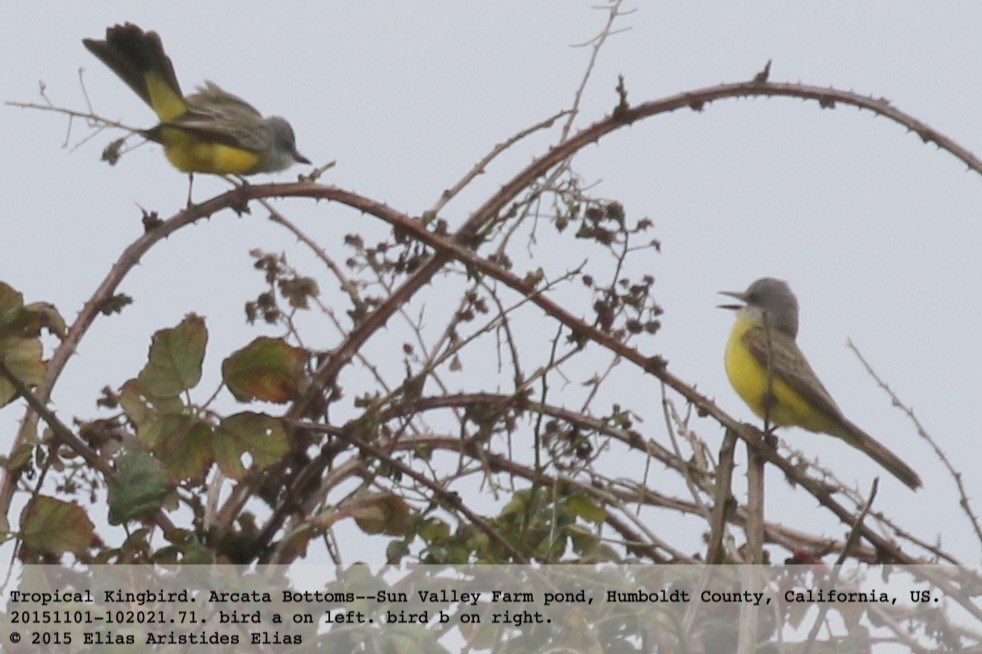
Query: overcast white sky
(878, 234)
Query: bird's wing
(220, 116)
(779, 353)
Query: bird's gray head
(772, 300)
(283, 152)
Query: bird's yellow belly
(749, 379)
(190, 153)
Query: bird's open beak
(734, 294)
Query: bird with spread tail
(209, 131)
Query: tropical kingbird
(770, 373)
(210, 131)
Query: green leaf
(11, 303)
(20, 458)
(18, 321)
(260, 436)
(139, 489)
(176, 353)
(54, 526)
(379, 513)
(267, 369)
(184, 447)
(42, 315)
(197, 554)
(155, 429)
(585, 507)
(584, 541)
(22, 356)
(434, 530)
(132, 397)
(143, 408)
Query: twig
(61, 431)
(851, 540)
(686, 471)
(94, 119)
(963, 501)
(723, 508)
(755, 501)
(613, 13)
(479, 167)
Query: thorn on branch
(241, 206)
(655, 364)
(316, 173)
(151, 220)
(622, 103)
(762, 76)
